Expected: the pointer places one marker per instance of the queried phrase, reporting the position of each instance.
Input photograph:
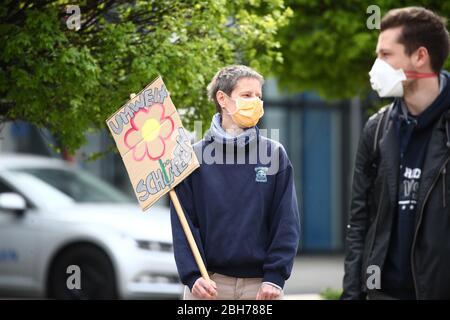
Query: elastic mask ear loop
(237, 107)
(231, 113)
(418, 75)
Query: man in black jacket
(398, 235)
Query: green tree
(70, 81)
(328, 48)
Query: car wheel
(82, 272)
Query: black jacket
(374, 202)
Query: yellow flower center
(150, 130)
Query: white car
(67, 235)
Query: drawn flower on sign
(150, 129)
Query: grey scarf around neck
(218, 134)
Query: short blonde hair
(226, 79)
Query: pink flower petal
(156, 111)
(156, 148)
(139, 118)
(132, 138)
(167, 128)
(139, 151)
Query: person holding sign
(241, 202)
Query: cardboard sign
(154, 146)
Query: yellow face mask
(248, 112)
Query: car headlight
(154, 246)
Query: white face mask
(386, 80)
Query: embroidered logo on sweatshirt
(261, 174)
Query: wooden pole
(188, 233)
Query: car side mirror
(12, 202)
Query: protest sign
(154, 146)
(156, 150)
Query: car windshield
(78, 185)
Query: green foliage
(70, 81)
(328, 48)
(331, 294)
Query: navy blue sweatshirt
(244, 217)
(414, 133)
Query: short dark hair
(420, 27)
(226, 79)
